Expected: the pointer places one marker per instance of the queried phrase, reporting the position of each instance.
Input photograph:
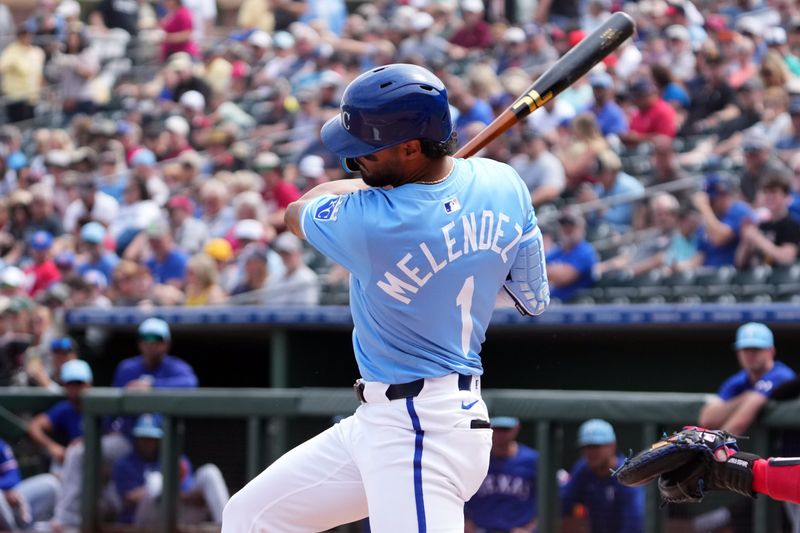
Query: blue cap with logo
(754, 335)
(154, 328)
(148, 426)
(76, 371)
(596, 432)
(62, 344)
(504, 422)
(41, 240)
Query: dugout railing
(547, 410)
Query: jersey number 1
(464, 301)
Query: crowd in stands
(150, 148)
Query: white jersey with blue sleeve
(426, 263)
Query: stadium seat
(757, 275)
(785, 274)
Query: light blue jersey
(426, 263)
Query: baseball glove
(690, 462)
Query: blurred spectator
(167, 263)
(474, 32)
(256, 15)
(597, 13)
(24, 502)
(611, 181)
(204, 14)
(650, 250)
(680, 57)
(299, 285)
(123, 14)
(65, 421)
(744, 67)
(42, 216)
(566, 14)
(217, 215)
(202, 286)
(96, 257)
(45, 371)
(741, 397)
(7, 27)
(712, 99)
(653, 116)
(541, 171)
(178, 29)
(610, 116)
(570, 263)
(90, 205)
(506, 500)
(611, 506)
(255, 278)
(132, 284)
(790, 142)
(672, 92)
(22, 71)
(580, 151)
(138, 481)
(74, 69)
(772, 241)
(43, 271)
(760, 160)
(188, 232)
(423, 41)
(722, 216)
(277, 192)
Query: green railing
(546, 409)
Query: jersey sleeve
(766, 385)
(334, 225)
(730, 388)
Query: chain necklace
(453, 166)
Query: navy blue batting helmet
(387, 106)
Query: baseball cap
(716, 184)
(181, 202)
(259, 39)
(755, 140)
(93, 232)
(76, 370)
(58, 158)
(65, 259)
(177, 125)
(775, 36)
(514, 35)
(283, 39)
(248, 229)
(602, 80)
(62, 344)
(219, 249)
(12, 276)
(596, 432)
(193, 100)
(287, 242)
(266, 161)
(154, 329)
(575, 36)
(504, 422)
(642, 86)
(472, 6)
(95, 278)
(753, 335)
(259, 253)
(148, 426)
(41, 240)
(312, 166)
(143, 156)
(677, 32)
(180, 61)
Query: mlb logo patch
(328, 209)
(451, 206)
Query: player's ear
(411, 149)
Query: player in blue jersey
(429, 241)
(612, 507)
(506, 501)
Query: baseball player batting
(429, 240)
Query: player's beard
(386, 177)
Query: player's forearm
(745, 413)
(714, 414)
(778, 478)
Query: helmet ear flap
(349, 164)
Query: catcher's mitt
(690, 462)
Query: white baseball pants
(408, 464)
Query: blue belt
(410, 389)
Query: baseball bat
(563, 73)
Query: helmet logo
(376, 134)
(346, 120)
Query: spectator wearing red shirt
(476, 32)
(277, 193)
(653, 116)
(178, 27)
(43, 271)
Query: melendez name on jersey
(430, 253)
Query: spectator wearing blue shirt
(610, 116)
(23, 502)
(611, 182)
(65, 418)
(570, 263)
(167, 263)
(506, 500)
(741, 397)
(611, 506)
(92, 236)
(138, 480)
(722, 215)
(471, 109)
